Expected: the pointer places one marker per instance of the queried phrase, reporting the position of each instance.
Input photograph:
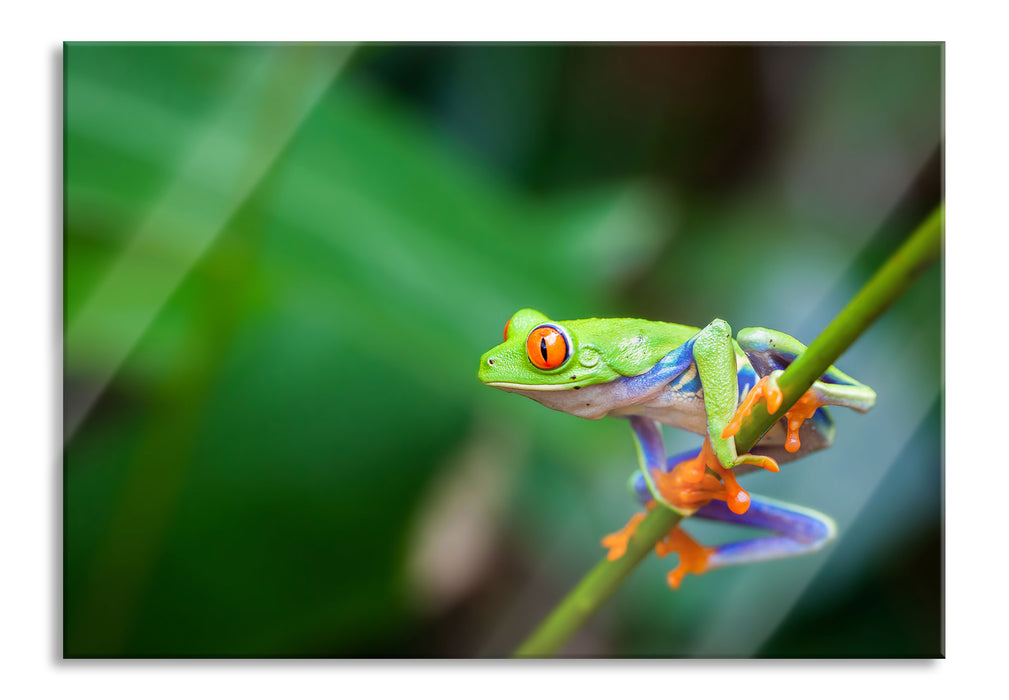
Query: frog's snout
(485, 372)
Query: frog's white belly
(683, 411)
(666, 404)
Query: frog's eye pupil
(547, 347)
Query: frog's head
(550, 361)
(543, 355)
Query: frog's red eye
(547, 347)
(506, 328)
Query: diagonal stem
(921, 249)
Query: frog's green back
(631, 346)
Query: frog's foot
(693, 556)
(689, 485)
(802, 410)
(766, 388)
(616, 542)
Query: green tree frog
(695, 379)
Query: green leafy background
(281, 264)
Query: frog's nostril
(490, 360)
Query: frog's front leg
(715, 358)
(796, 531)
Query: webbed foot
(689, 486)
(693, 556)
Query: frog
(701, 380)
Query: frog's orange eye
(547, 347)
(506, 328)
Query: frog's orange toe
(735, 497)
(616, 542)
(802, 410)
(691, 471)
(738, 502)
(675, 577)
(765, 462)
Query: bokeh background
(282, 263)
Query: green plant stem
(920, 250)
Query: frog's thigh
(770, 350)
(797, 531)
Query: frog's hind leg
(769, 351)
(651, 453)
(796, 531)
(807, 426)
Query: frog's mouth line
(534, 387)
